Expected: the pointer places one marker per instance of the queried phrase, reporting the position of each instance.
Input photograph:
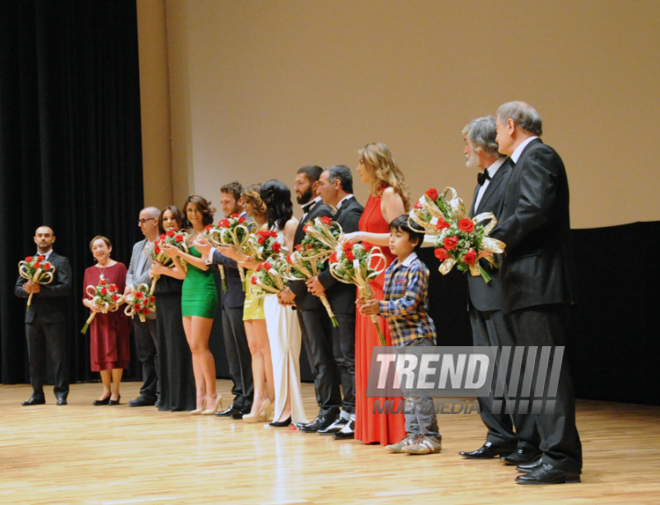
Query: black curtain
(70, 149)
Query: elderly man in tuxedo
(315, 325)
(45, 322)
(538, 277)
(146, 341)
(490, 327)
(336, 190)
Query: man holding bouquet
(45, 322)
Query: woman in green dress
(199, 301)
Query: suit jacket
(535, 226)
(304, 299)
(234, 297)
(342, 296)
(489, 296)
(49, 305)
(138, 270)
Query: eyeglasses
(144, 220)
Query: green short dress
(199, 296)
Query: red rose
(29, 259)
(263, 233)
(41, 258)
(298, 247)
(139, 295)
(349, 255)
(466, 225)
(114, 298)
(267, 266)
(418, 205)
(261, 240)
(333, 257)
(241, 220)
(37, 265)
(104, 291)
(277, 247)
(432, 194)
(224, 223)
(442, 224)
(326, 220)
(305, 228)
(178, 238)
(157, 249)
(451, 242)
(288, 258)
(347, 246)
(234, 216)
(308, 246)
(152, 299)
(113, 287)
(253, 280)
(441, 254)
(470, 257)
(208, 227)
(146, 311)
(103, 281)
(46, 266)
(273, 234)
(170, 233)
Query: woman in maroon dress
(108, 347)
(388, 199)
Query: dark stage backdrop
(70, 149)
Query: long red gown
(109, 333)
(370, 427)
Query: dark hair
(312, 172)
(203, 205)
(343, 173)
(175, 212)
(233, 188)
(401, 223)
(277, 197)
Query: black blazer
(234, 297)
(342, 296)
(489, 296)
(535, 226)
(49, 305)
(304, 299)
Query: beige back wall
(259, 88)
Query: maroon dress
(109, 333)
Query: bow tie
(483, 177)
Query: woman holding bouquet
(388, 199)
(109, 347)
(254, 318)
(199, 301)
(177, 381)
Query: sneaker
(408, 440)
(423, 445)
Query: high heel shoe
(262, 415)
(281, 424)
(104, 401)
(218, 405)
(115, 402)
(196, 412)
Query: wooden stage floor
(80, 454)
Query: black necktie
(483, 177)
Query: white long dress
(285, 339)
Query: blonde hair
(252, 195)
(384, 171)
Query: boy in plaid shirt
(405, 308)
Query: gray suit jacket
(138, 270)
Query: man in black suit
(336, 190)
(146, 338)
(538, 277)
(237, 350)
(490, 327)
(45, 322)
(315, 325)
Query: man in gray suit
(490, 327)
(145, 333)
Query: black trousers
(493, 328)
(547, 325)
(146, 344)
(343, 348)
(52, 335)
(316, 330)
(239, 359)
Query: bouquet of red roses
(105, 296)
(36, 269)
(231, 231)
(267, 279)
(174, 237)
(300, 266)
(264, 244)
(355, 264)
(459, 240)
(321, 237)
(140, 302)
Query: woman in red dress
(109, 347)
(388, 199)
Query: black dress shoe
(141, 402)
(33, 401)
(522, 456)
(114, 402)
(338, 425)
(105, 401)
(346, 433)
(228, 412)
(62, 401)
(548, 474)
(528, 467)
(320, 423)
(281, 424)
(242, 412)
(487, 451)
